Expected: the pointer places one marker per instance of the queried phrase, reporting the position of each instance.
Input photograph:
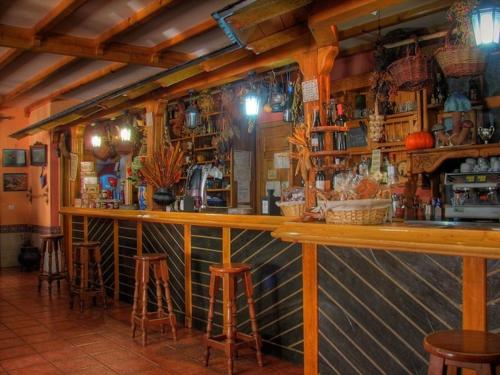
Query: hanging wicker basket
(460, 61)
(411, 73)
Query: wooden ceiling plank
(198, 29)
(62, 10)
(262, 10)
(92, 77)
(225, 59)
(134, 20)
(7, 57)
(38, 78)
(277, 39)
(409, 15)
(17, 37)
(328, 14)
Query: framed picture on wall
(38, 154)
(15, 182)
(14, 158)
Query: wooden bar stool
(87, 273)
(140, 315)
(231, 340)
(52, 262)
(453, 349)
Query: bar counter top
(421, 238)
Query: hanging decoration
(486, 25)
(192, 114)
(252, 102)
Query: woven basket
(358, 212)
(292, 208)
(459, 61)
(411, 73)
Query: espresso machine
(472, 196)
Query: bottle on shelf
(330, 113)
(317, 139)
(320, 178)
(364, 167)
(340, 137)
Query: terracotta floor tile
(43, 369)
(30, 331)
(98, 370)
(51, 345)
(16, 351)
(6, 333)
(63, 354)
(130, 366)
(40, 337)
(11, 342)
(23, 361)
(70, 365)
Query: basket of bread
(292, 202)
(356, 200)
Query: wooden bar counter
(343, 299)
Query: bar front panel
(102, 230)
(375, 307)
(277, 280)
(127, 249)
(77, 229)
(168, 239)
(493, 295)
(206, 249)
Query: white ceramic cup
(466, 167)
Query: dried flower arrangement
(164, 168)
(459, 14)
(300, 138)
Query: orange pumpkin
(419, 140)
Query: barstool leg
(234, 292)
(230, 334)
(144, 281)
(253, 318)
(84, 276)
(42, 262)
(212, 291)
(50, 247)
(159, 302)
(168, 297)
(436, 366)
(136, 295)
(97, 258)
(56, 247)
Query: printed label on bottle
(265, 207)
(314, 142)
(320, 184)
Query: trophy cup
(485, 133)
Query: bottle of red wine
(317, 139)
(340, 136)
(320, 178)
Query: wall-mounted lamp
(192, 114)
(96, 141)
(252, 100)
(486, 25)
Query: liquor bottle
(320, 178)
(340, 136)
(317, 140)
(330, 113)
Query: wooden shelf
(205, 148)
(217, 190)
(329, 129)
(181, 139)
(330, 153)
(206, 135)
(388, 144)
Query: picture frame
(13, 182)
(14, 157)
(38, 154)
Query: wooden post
(226, 258)
(317, 63)
(474, 294)
(85, 228)
(139, 238)
(188, 296)
(77, 147)
(68, 234)
(310, 307)
(116, 259)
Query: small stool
(454, 349)
(231, 340)
(52, 254)
(140, 315)
(87, 273)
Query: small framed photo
(15, 182)
(14, 158)
(38, 154)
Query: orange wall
(14, 206)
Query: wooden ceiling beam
(141, 16)
(37, 79)
(198, 29)
(409, 15)
(89, 78)
(62, 10)
(262, 10)
(274, 40)
(17, 37)
(331, 13)
(8, 56)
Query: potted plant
(162, 171)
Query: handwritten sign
(310, 92)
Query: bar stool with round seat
(140, 315)
(231, 340)
(454, 349)
(87, 280)
(52, 261)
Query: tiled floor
(39, 335)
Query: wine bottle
(340, 136)
(317, 140)
(320, 178)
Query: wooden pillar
(474, 296)
(139, 238)
(188, 295)
(77, 147)
(68, 236)
(226, 258)
(310, 307)
(316, 64)
(116, 259)
(155, 125)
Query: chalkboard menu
(356, 137)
